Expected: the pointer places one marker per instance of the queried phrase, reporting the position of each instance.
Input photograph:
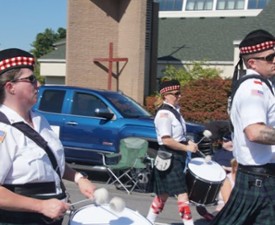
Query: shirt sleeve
(163, 123)
(252, 102)
(7, 151)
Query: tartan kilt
(249, 204)
(171, 181)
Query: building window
(257, 4)
(170, 5)
(230, 4)
(193, 5)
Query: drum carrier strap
(39, 140)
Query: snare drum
(204, 180)
(102, 214)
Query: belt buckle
(258, 183)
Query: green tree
(190, 73)
(44, 41)
(43, 44)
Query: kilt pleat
(249, 204)
(171, 181)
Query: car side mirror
(104, 113)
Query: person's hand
(54, 208)
(192, 147)
(86, 187)
(226, 168)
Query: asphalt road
(136, 201)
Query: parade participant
(253, 119)
(31, 155)
(171, 135)
(224, 155)
(227, 185)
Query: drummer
(31, 187)
(171, 134)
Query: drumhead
(102, 214)
(210, 171)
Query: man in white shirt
(253, 119)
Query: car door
(84, 134)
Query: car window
(126, 106)
(86, 104)
(52, 101)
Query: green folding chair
(132, 152)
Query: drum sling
(24, 189)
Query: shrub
(205, 99)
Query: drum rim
(94, 205)
(204, 180)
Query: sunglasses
(30, 79)
(176, 94)
(268, 58)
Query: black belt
(267, 170)
(31, 189)
(26, 218)
(34, 190)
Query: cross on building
(110, 61)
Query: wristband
(80, 175)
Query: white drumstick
(206, 134)
(101, 196)
(117, 204)
(207, 158)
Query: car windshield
(126, 106)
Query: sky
(22, 20)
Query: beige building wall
(54, 72)
(91, 26)
(53, 68)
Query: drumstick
(207, 158)
(206, 134)
(101, 196)
(117, 204)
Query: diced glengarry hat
(257, 41)
(14, 58)
(169, 85)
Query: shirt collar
(12, 115)
(250, 71)
(175, 107)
